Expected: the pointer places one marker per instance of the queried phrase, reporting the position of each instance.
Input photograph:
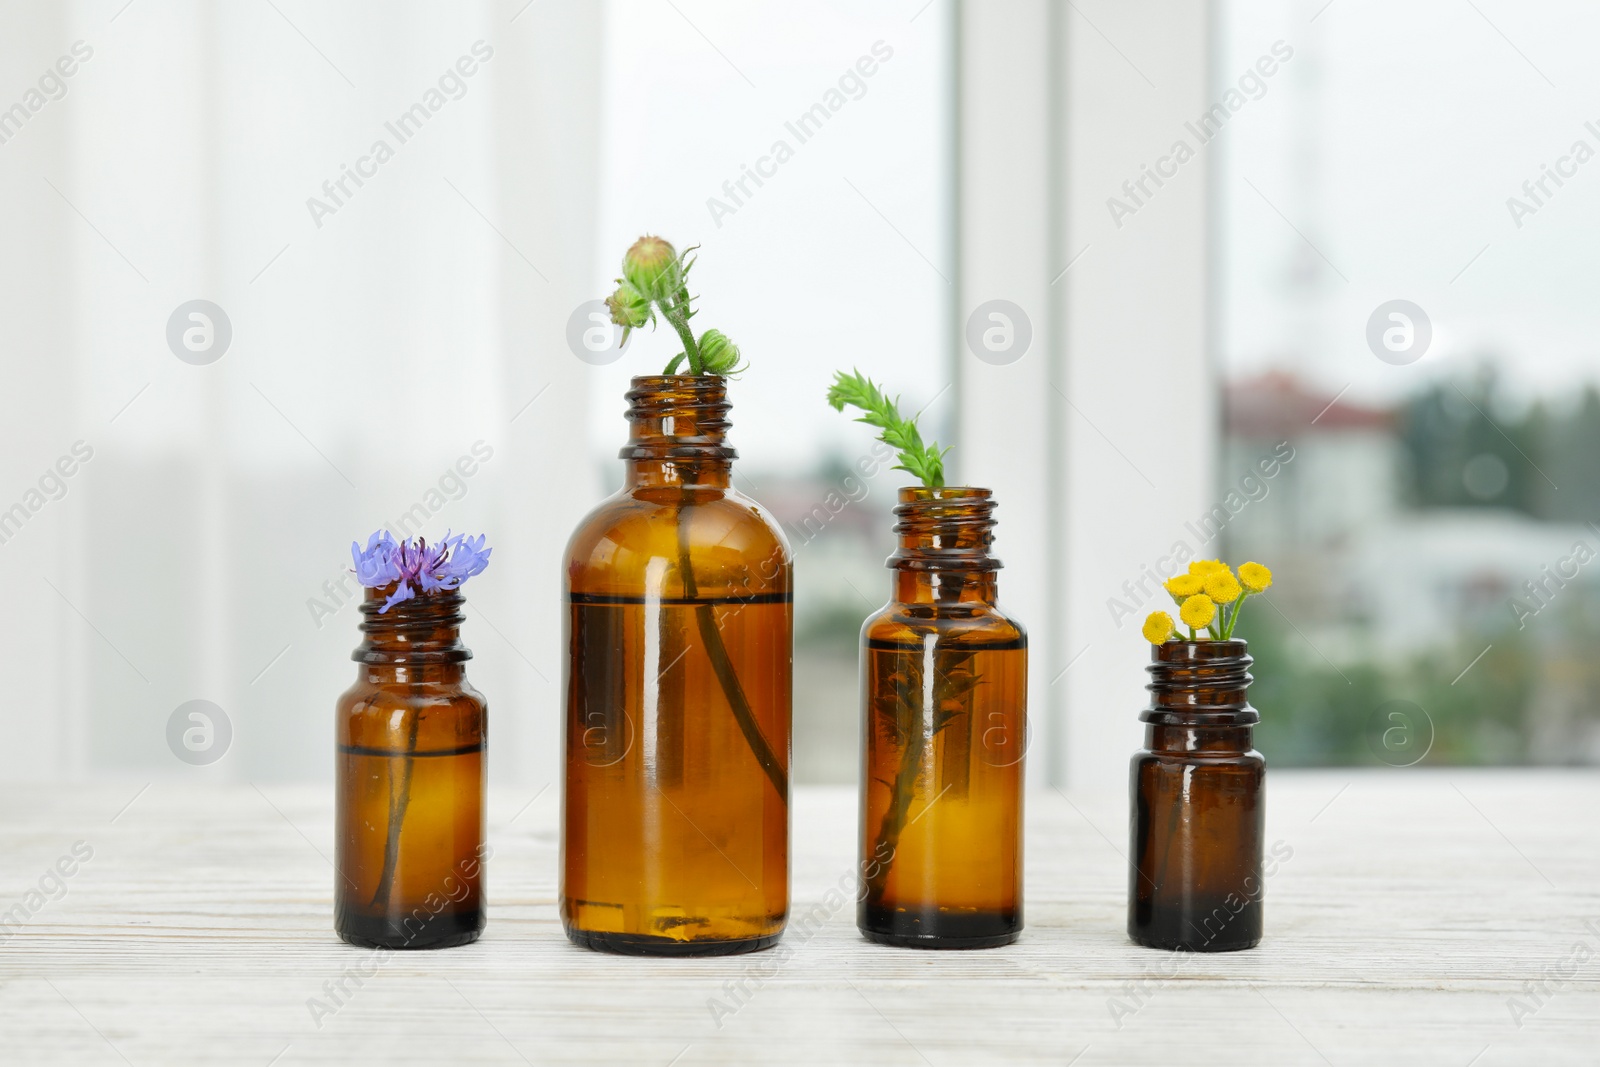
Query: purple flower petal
(405, 592)
(415, 564)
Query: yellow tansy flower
(1209, 596)
(1223, 587)
(1184, 585)
(1255, 577)
(1158, 627)
(1198, 611)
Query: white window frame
(1100, 441)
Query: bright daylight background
(196, 549)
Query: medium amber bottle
(675, 820)
(1195, 880)
(410, 781)
(944, 695)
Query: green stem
(908, 707)
(894, 817)
(1233, 622)
(722, 665)
(398, 802)
(674, 315)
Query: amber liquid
(676, 837)
(1195, 870)
(945, 736)
(1196, 879)
(432, 895)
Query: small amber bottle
(944, 695)
(1195, 880)
(675, 814)
(410, 781)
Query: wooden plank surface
(1414, 909)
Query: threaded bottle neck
(945, 529)
(678, 425)
(1200, 683)
(944, 539)
(425, 629)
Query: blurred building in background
(1422, 554)
(1433, 536)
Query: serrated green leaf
(856, 390)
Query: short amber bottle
(1195, 880)
(410, 842)
(675, 814)
(944, 695)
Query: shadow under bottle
(944, 695)
(410, 782)
(1198, 810)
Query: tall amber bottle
(675, 824)
(1195, 879)
(944, 695)
(410, 781)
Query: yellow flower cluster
(1209, 597)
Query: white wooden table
(1416, 906)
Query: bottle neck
(943, 553)
(1199, 740)
(1197, 697)
(678, 426)
(415, 640)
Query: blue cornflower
(416, 565)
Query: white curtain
(396, 350)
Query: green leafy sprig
(655, 276)
(857, 390)
(897, 708)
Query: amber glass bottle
(944, 695)
(1195, 872)
(675, 832)
(410, 782)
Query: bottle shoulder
(364, 695)
(637, 538)
(383, 715)
(964, 623)
(1250, 760)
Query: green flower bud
(651, 267)
(718, 354)
(629, 308)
